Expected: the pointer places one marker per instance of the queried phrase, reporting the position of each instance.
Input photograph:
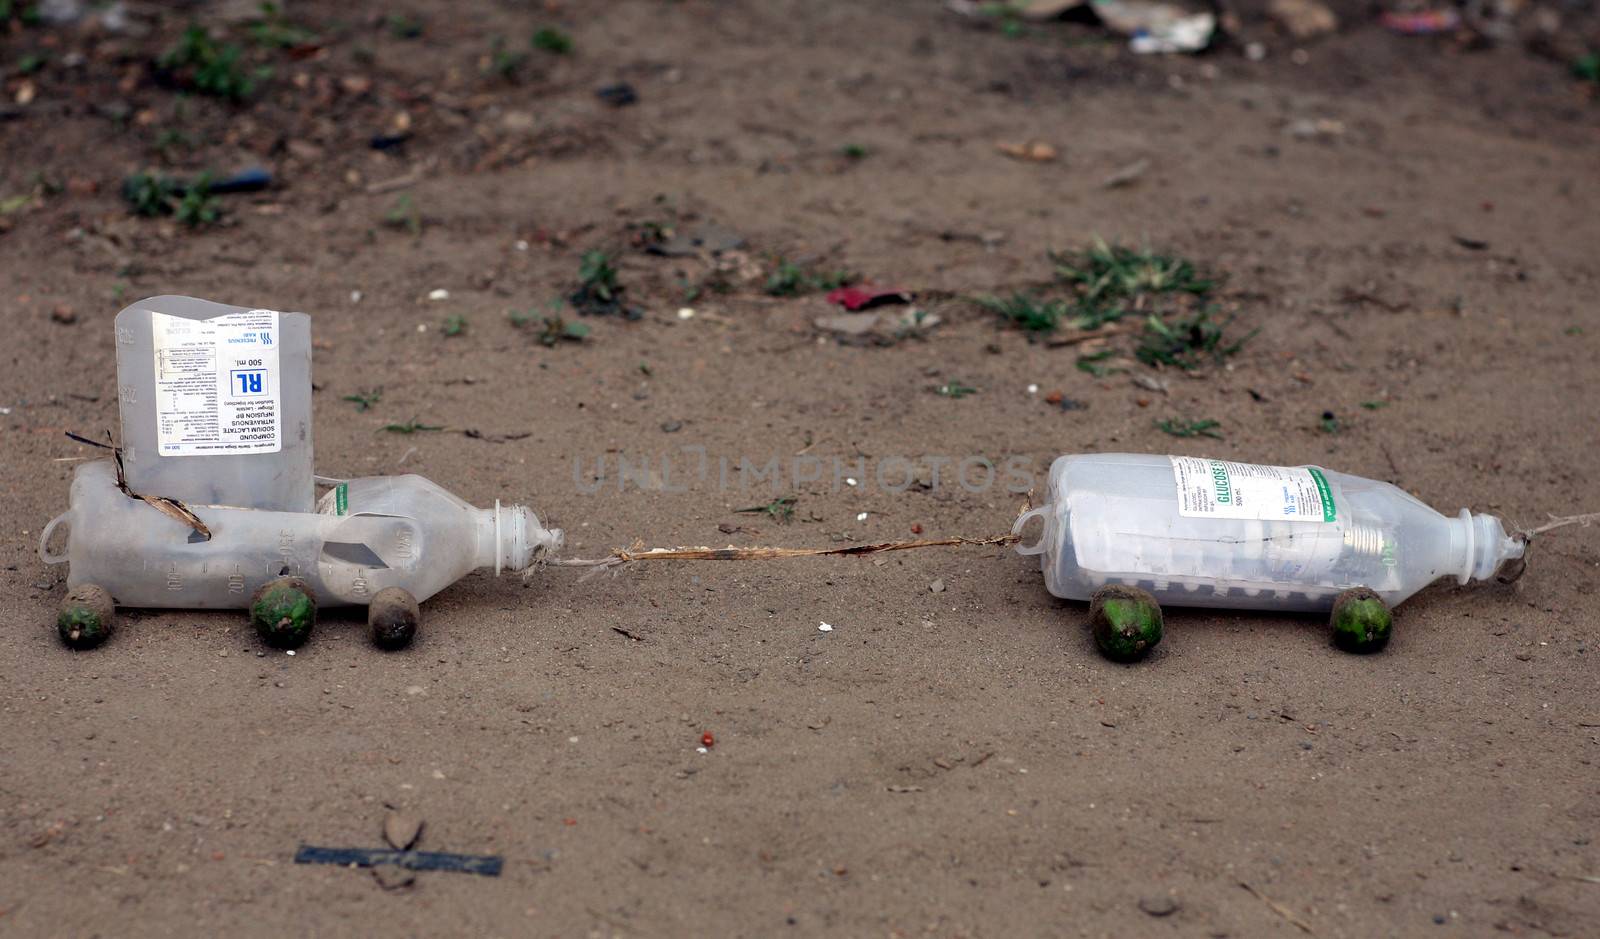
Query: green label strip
(1324, 491)
(341, 499)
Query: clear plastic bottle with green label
(1216, 533)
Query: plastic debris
(618, 95)
(1033, 151)
(706, 239)
(865, 296)
(1127, 175)
(1422, 22)
(881, 328)
(1157, 28)
(824, 627)
(486, 865)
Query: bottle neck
(511, 537)
(1479, 545)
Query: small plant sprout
(274, 31)
(412, 426)
(780, 510)
(854, 151)
(599, 287)
(453, 325)
(552, 40)
(198, 207)
(1188, 342)
(1187, 428)
(558, 330)
(210, 68)
(1329, 423)
(954, 389)
(151, 195)
(364, 400)
(403, 26)
(502, 62)
(148, 194)
(1587, 67)
(790, 279)
(404, 214)
(1026, 311)
(1094, 363)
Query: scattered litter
(861, 516)
(686, 313)
(1157, 28)
(1151, 383)
(883, 328)
(1127, 175)
(401, 831)
(1303, 19)
(865, 296)
(487, 865)
(618, 95)
(252, 179)
(1422, 22)
(1033, 389)
(850, 481)
(1034, 151)
(701, 750)
(1322, 128)
(707, 739)
(824, 627)
(708, 239)
(437, 294)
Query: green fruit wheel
(87, 616)
(1362, 622)
(1126, 622)
(283, 612)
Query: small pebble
(1158, 906)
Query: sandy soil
(959, 763)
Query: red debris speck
(863, 296)
(706, 740)
(916, 528)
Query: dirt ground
(1407, 221)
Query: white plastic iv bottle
(216, 403)
(393, 531)
(1203, 532)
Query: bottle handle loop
(44, 541)
(1022, 520)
